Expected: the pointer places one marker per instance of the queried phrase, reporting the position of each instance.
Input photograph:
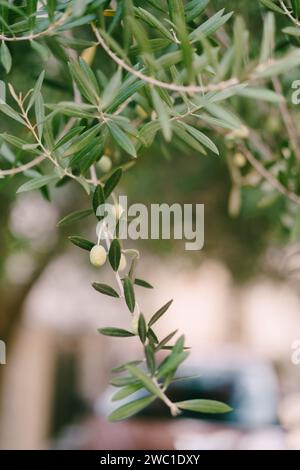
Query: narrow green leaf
(85, 85)
(142, 41)
(202, 138)
(162, 114)
(5, 57)
(180, 130)
(171, 363)
(142, 283)
(279, 66)
(105, 289)
(2, 92)
(90, 74)
(165, 341)
(75, 131)
(16, 141)
(130, 409)
(146, 381)
(112, 89)
(261, 94)
(296, 8)
(240, 40)
(148, 132)
(123, 381)
(152, 21)
(292, 31)
(36, 89)
(268, 41)
(150, 358)
(114, 254)
(176, 9)
(142, 328)
(210, 26)
(37, 183)
(204, 406)
(68, 108)
(98, 198)
(159, 313)
(121, 138)
(81, 243)
(195, 8)
(152, 336)
(74, 217)
(157, 4)
(129, 293)
(126, 391)
(51, 6)
(83, 140)
(10, 112)
(179, 345)
(271, 5)
(112, 182)
(31, 8)
(39, 113)
(122, 367)
(115, 332)
(127, 90)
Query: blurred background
(237, 301)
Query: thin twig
(288, 13)
(153, 81)
(59, 22)
(269, 177)
(24, 167)
(287, 119)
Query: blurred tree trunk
(12, 302)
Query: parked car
(248, 385)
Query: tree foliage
(176, 74)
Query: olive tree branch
(24, 167)
(268, 176)
(108, 237)
(287, 119)
(288, 13)
(154, 81)
(59, 22)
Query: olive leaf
(105, 289)
(98, 198)
(129, 293)
(146, 381)
(126, 391)
(204, 406)
(131, 408)
(121, 138)
(112, 182)
(115, 332)
(142, 283)
(5, 57)
(74, 217)
(114, 254)
(37, 183)
(81, 243)
(160, 313)
(142, 328)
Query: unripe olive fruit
(239, 159)
(97, 256)
(105, 164)
(123, 263)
